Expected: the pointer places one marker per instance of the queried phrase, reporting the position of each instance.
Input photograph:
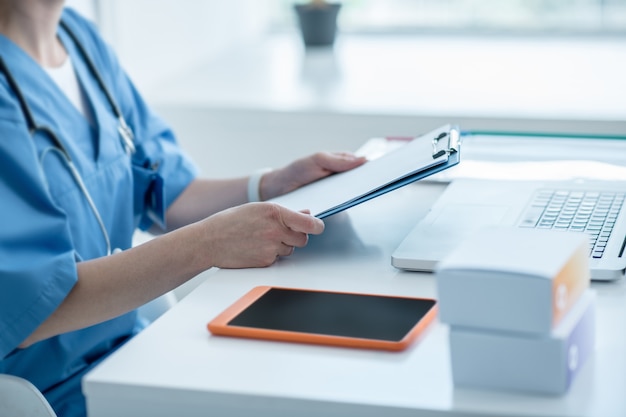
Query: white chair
(20, 398)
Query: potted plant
(317, 20)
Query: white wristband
(254, 183)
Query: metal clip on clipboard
(446, 143)
(419, 158)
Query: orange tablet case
(219, 325)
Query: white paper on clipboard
(421, 157)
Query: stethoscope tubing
(125, 131)
(81, 185)
(59, 148)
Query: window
(471, 16)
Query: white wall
(157, 39)
(86, 7)
(239, 102)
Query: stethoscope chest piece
(128, 138)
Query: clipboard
(421, 157)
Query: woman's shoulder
(82, 26)
(88, 34)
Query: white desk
(176, 368)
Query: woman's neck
(32, 25)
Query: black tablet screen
(350, 315)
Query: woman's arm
(252, 235)
(204, 197)
(211, 228)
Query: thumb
(302, 221)
(340, 161)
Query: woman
(80, 171)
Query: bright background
(243, 93)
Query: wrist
(254, 185)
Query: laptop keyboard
(592, 212)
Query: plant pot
(318, 23)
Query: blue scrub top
(46, 224)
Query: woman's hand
(306, 170)
(255, 234)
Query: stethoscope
(59, 148)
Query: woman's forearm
(110, 286)
(246, 236)
(198, 200)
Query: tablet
(370, 321)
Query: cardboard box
(513, 279)
(511, 361)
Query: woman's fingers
(255, 234)
(301, 222)
(285, 250)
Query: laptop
(597, 208)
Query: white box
(511, 361)
(513, 279)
